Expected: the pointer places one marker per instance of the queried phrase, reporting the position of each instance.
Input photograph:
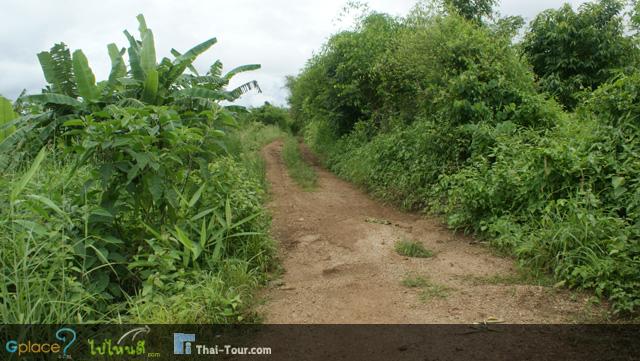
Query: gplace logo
(182, 343)
(66, 335)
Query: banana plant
(72, 92)
(72, 85)
(57, 67)
(162, 83)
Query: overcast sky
(279, 34)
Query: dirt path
(342, 268)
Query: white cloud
(279, 34)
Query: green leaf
(227, 118)
(49, 203)
(32, 227)
(148, 53)
(245, 220)
(202, 214)
(216, 69)
(80, 162)
(197, 92)
(6, 115)
(118, 67)
(48, 68)
(181, 63)
(227, 212)
(196, 196)
(155, 233)
(134, 58)
(101, 212)
(217, 250)
(617, 182)
(99, 282)
(58, 70)
(102, 256)
(244, 88)
(22, 183)
(150, 90)
(176, 53)
(19, 134)
(240, 69)
(131, 103)
(156, 187)
(203, 234)
(129, 82)
(142, 24)
(244, 234)
(85, 79)
(182, 237)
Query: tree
(473, 10)
(574, 51)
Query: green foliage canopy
(473, 10)
(573, 51)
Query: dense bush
(340, 85)
(432, 121)
(566, 200)
(572, 52)
(458, 125)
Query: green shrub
(564, 200)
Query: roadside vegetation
(530, 141)
(134, 199)
(301, 172)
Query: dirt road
(337, 250)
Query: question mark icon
(61, 337)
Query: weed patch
(412, 249)
(414, 281)
(428, 289)
(301, 172)
(520, 277)
(434, 290)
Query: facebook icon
(182, 343)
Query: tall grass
(40, 242)
(50, 260)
